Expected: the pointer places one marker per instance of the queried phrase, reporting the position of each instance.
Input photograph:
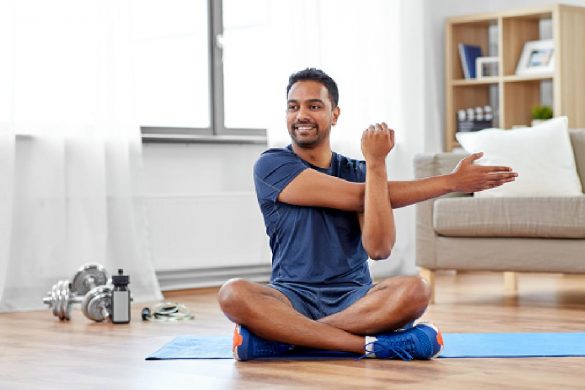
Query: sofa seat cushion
(562, 217)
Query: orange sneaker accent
(238, 339)
(440, 338)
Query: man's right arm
(316, 189)
(313, 188)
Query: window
(193, 60)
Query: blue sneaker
(248, 346)
(423, 341)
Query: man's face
(309, 114)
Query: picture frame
(487, 67)
(537, 58)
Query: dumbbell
(95, 305)
(64, 293)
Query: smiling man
(326, 214)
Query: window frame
(217, 131)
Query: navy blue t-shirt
(311, 245)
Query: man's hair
(318, 75)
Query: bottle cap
(120, 280)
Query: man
(325, 215)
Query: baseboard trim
(183, 279)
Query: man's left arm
(377, 220)
(466, 177)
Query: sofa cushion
(542, 155)
(562, 217)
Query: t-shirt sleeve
(361, 171)
(273, 171)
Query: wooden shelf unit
(516, 95)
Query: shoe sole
(238, 340)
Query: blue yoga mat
(220, 347)
(513, 345)
(457, 345)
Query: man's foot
(248, 346)
(423, 341)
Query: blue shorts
(321, 301)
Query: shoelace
(400, 351)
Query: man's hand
(377, 142)
(468, 177)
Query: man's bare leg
(267, 313)
(389, 305)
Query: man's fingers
(493, 169)
(381, 127)
(501, 177)
(474, 156)
(497, 183)
(500, 169)
(378, 127)
(502, 174)
(498, 180)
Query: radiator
(203, 239)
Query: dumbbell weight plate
(66, 300)
(63, 294)
(57, 298)
(88, 277)
(54, 300)
(97, 303)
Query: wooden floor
(39, 352)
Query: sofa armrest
(578, 142)
(426, 165)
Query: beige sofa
(460, 232)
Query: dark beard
(308, 144)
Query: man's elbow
(381, 252)
(378, 246)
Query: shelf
(482, 81)
(514, 78)
(497, 79)
(512, 97)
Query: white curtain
(70, 149)
(379, 54)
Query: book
(468, 55)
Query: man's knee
(417, 293)
(231, 295)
